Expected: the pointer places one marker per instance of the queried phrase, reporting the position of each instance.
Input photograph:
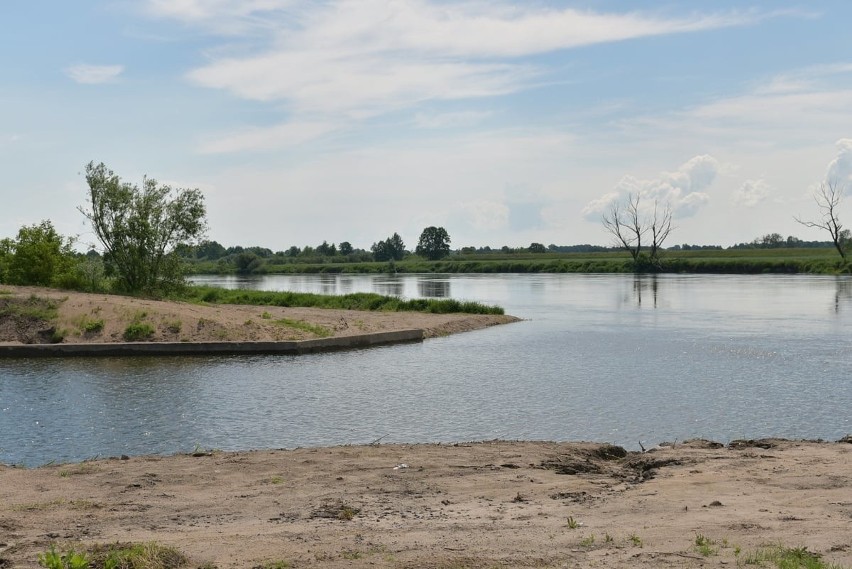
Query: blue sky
(505, 122)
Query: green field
(740, 261)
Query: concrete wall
(206, 348)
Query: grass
(138, 331)
(782, 557)
(705, 545)
(315, 329)
(34, 307)
(572, 523)
(354, 301)
(89, 325)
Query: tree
(628, 225)
(537, 248)
(391, 249)
(434, 243)
(40, 256)
(140, 228)
(828, 198)
(345, 248)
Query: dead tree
(626, 223)
(828, 198)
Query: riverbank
(491, 504)
(43, 315)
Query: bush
(138, 331)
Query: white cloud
(752, 193)
(93, 74)
(840, 168)
(681, 189)
(450, 119)
(487, 215)
(362, 58)
(283, 135)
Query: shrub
(137, 331)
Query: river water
(615, 358)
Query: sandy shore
(184, 322)
(479, 505)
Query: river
(616, 358)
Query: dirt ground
(184, 322)
(476, 505)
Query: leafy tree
(247, 262)
(391, 249)
(537, 248)
(40, 256)
(326, 250)
(140, 228)
(345, 248)
(293, 251)
(434, 243)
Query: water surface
(598, 357)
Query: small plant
(174, 326)
(276, 480)
(635, 540)
(608, 538)
(572, 523)
(320, 331)
(519, 498)
(64, 473)
(704, 545)
(136, 555)
(91, 325)
(347, 513)
(588, 541)
(137, 331)
(58, 335)
(351, 555)
(266, 315)
(70, 560)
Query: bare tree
(661, 226)
(624, 223)
(828, 198)
(628, 226)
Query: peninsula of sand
(85, 319)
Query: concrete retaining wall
(207, 348)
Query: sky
(505, 122)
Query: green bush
(138, 331)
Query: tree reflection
(389, 286)
(842, 292)
(433, 288)
(647, 286)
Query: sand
(478, 505)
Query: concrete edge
(210, 348)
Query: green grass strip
(354, 301)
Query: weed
(174, 326)
(608, 538)
(136, 555)
(351, 555)
(519, 498)
(588, 541)
(347, 513)
(90, 325)
(704, 545)
(58, 335)
(572, 523)
(787, 558)
(64, 473)
(320, 331)
(137, 331)
(70, 560)
(737, 550)
(248, 322)
(266, 315)
(635, 540)
(276, 480)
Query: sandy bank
(494, 504)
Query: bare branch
(828, 198)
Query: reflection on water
(597, 357)
(435, 287)
(647, 284)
